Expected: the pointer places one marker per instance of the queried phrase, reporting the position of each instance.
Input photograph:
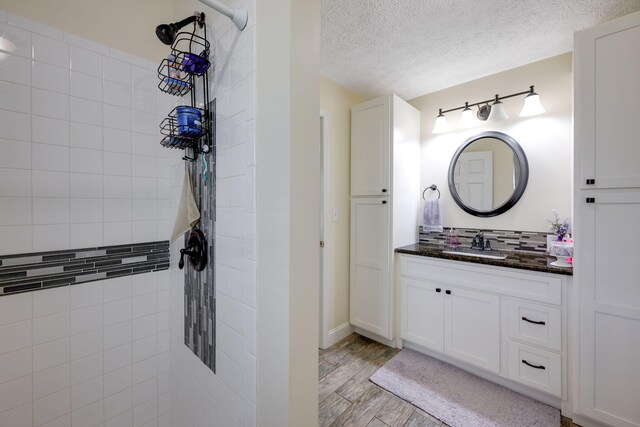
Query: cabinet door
(607, 271)
(371, 147)
(422, 313)
(607, 84)
(472, 327)
(370, 287)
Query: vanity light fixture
(498, 113)
(441, 123)
(467, 118)
(532, 106)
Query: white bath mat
(459, 398)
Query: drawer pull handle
(533, 321)
(533, 366)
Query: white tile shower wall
(227, 398)
(80, 161)
(87, 355)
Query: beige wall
(547, 141)
(127, 25)
(336, 103)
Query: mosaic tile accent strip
(501, 240)
(199, 286)
(44, 270)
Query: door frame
(325, 215)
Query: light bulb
(532, 105)
(441, 123)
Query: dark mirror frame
(521, 173)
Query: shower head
(167, 32)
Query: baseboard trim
(585, 421)
(376, 337)
(338, 333)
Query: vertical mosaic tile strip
(44, 270)
(199, 286)
(503, 240)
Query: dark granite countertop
(518, 260)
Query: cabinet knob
(384, 190)
(384, 202)
(448, 292)
(438, 289)
(533, 366)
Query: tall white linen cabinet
(385, 194)
(607, 226)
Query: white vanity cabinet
(606, 212)
(455, 321)
(508, 322)
(385, 194)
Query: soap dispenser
(452, 239)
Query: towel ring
(431, 187)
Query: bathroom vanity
(505, 320)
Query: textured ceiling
(415, 47)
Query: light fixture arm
(496, 98)
(238, 16)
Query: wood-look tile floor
(348, 398)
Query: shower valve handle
(196, 251)
(186, 252)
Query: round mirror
(488, 174)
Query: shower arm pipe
(238, 16)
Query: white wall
(87, 354)
(80, 161)
(227, 398)
(288, 45)
(546, 139)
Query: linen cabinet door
(422, 313)
(472, 327)
(370, 288)
(608, 272)
(607, 84)
(371, 148)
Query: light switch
(334, 214)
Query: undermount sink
(475, 253)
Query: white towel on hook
(432, 216)
(188, 213)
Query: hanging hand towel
(432, 216)
(188, 213)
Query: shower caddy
(188, 127)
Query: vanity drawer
(535, 324)
(537, 368)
